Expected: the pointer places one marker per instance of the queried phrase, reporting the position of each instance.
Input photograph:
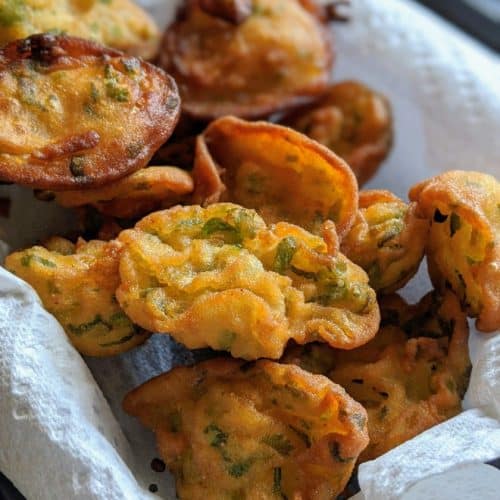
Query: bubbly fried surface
(228, 429)
(280, 173)
(219, 277)
(352, 120)
(77, 283)
(463, 250)
(62, 106)
(120, 24)
(387, 240)
(278, 57)
(142, 192)
(410, 377)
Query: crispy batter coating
(228, 429)
(352, 120)
(463, 250)
(410, 377)
(63, 102)
(280, 56)
(142, 192)
(387, 240)
(218, 277)
(77, 283)
(280, 173)
(120, 24)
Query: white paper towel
(59, 439)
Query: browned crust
(365, 159)
(477, 207)
(207, 172)
(49, 169)
(251, 111)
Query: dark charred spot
(247, 366)
(439, 217)
(357, 381)
(76, 166)
(41, 48)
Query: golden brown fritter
(219, 277)
(120, 24)
(228, 429)
(352, 120)
(277, 57)
(63, 102)
(463, 250)
(387, 240)
(77, 283)
(278, 172)
(410, 377)
(140, 193)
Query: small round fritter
(277, 171)
(219, 277)
(120, 24)
(228, 429)
(77, 283)
(63, 104)
(142, 192)
(463, 250)
(352, 120)
(410, 377)
(387, 240)
(274, 57)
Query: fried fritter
(77, 283)
(142, 192)
(228, 429)
(463, 250)
(120, 24)
(410, 377)
(387, 240)
(280, 173)
(278, 57)
(63, 102)
(218, 277)
(352, 120)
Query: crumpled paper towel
(63, 433)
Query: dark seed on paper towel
(158, 465)
(153, 488)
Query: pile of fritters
(248, 237)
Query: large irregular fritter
(62, 106)
(228, 429)
(77, 283)
(119, 24)
(219, 277)
(354, 121)
(274, 57)
(410, 377)
(387, 239)
(277, 171)
(463, 251)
